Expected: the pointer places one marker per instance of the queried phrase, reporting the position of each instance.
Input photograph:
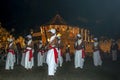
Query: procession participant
(45, 54)
(96, 54)
(29, 59)
(18, 51)
(10, 56)
(23, 51)
(67, 55)
(40, 55)
(79, 52)
(52, 54)
(114, 49)
(59, 46)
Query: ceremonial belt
(46, 50)
(78, 48)
(96, 50)
(11, 51)
(30, 54)
(41, 52)
(83, 52)
(55, 53)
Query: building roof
(57, 20)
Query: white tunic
(96, 56)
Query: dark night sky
(102, 17)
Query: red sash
(12, 51)
(30, 54)
(46, 50)
(55, 54)
(83, 53)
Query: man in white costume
(67, 55)
(29, 60)
(23, 55)
(114, 49)
(40, 54)
(96, 54)
(10, 56)
(59, 46)
(23, 58)
(52, 54)
(79, 53)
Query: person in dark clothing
(114, 48)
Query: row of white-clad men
(53, 56)
(27, 57)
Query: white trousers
(50, 60)
(68, 57)
(78, 60)
(10, 61)
(40, 59)
(114, 55)
(28, 64)
(97, 58)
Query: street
(108, 71)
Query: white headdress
(52, 31)
(95, 39)
(29, 36)
(40, 41)
(78, 35)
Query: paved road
(108, 71)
